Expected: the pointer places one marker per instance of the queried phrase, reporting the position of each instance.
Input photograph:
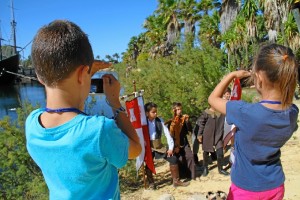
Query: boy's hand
(169, 153)
(176, 149)
(186, 117)
(200, 139)
(111, 87)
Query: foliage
(129, 179)
(20, 177)
(187, 77)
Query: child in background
(156, 128)
(263, 127)
(79, 155)
(179, 127)
(210, 134)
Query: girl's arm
(215, 99)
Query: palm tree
(291, 35)
(296, 12)
(209, 28)
(249, 12)
(276, 14)
(155, 34)
(116, 56)
(189, 13)
(108, 57)
(168, 9)
(228, 13)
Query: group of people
(79, 155)
(182, 157)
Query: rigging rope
(21, 75)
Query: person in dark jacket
(210, 134)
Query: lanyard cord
(59, 110)
(270, 102)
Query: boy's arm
(111, 88)
(168, 136)
(188, 123)
(201, 123)
(125, 125)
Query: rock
(197, 197)
(166, 197)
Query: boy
(156, 127)
(79, 155)
(179, 127)
(210, 133)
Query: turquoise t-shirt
(79, 159)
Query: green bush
(20, 177)
(187, 77)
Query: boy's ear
(81, 73)
(41, 82)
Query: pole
(136, 94)
(13, 27)
(134, 86)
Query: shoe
(152, 186)
(175, 176)
(205, 171)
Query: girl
(264, 127)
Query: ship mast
(0, 42)
(13, 28)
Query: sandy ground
(214, 181)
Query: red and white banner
(236, 92)
(137, 116)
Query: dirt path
(214, 181)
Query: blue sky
(109, 23)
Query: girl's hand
(241, 74)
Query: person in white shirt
(156, 128)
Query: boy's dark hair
(227, 90)
(176, 104)
(58, 49)
(149, 106)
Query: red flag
(136, 113)
(236, 92)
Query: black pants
(185, 160)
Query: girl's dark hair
(280, 65)
(58, 49)
(149, 106)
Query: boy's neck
(61, 98)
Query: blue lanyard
(270, 102)
(59, 110)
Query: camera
(96, 85)
(97, 81)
